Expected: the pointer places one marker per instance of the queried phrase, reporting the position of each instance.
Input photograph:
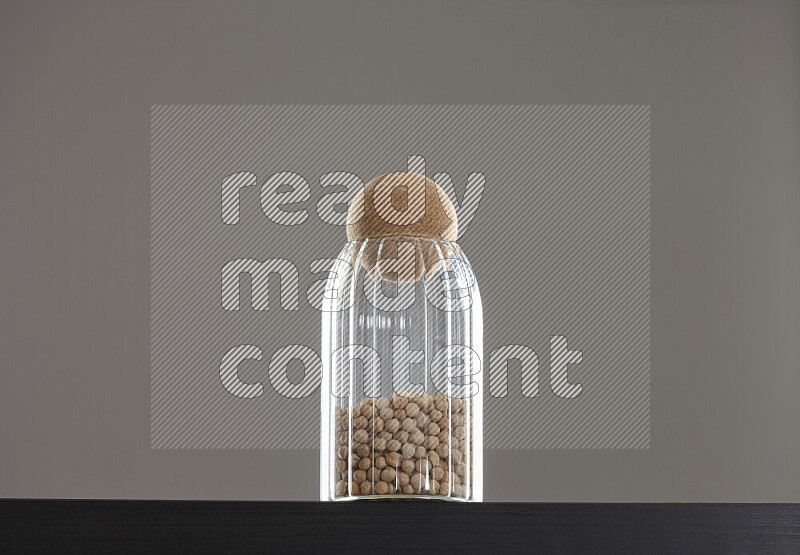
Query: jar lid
(402, 203)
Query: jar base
(406, 497)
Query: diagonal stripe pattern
(558, 236)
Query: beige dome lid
(402, 203)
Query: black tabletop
(396, 527)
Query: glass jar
(402, 341)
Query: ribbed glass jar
(402, 343)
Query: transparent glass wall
(402, 345)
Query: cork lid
(402, 203)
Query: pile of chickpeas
(404, 445)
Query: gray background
(723, 82)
